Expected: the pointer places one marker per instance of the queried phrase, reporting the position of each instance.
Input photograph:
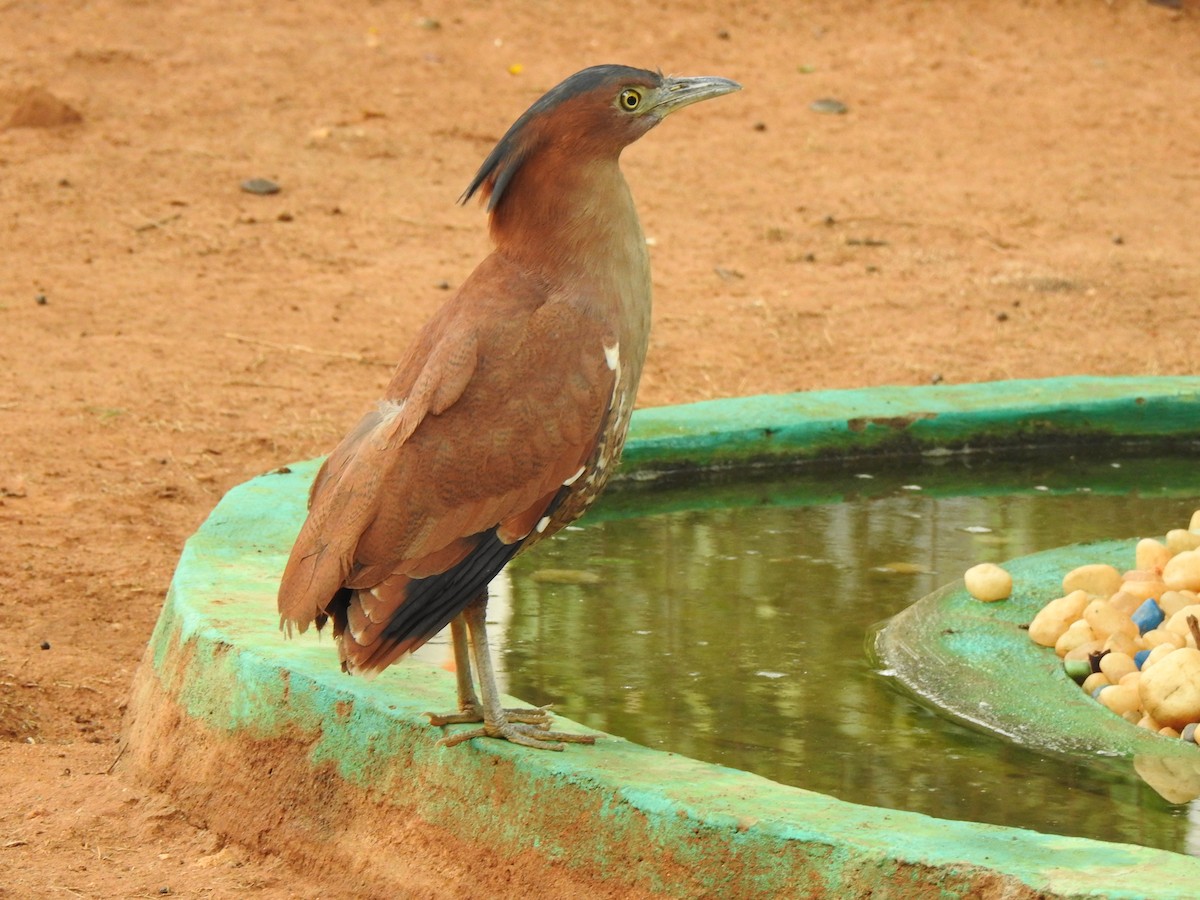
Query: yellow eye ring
(630, 99)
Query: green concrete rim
(217, 653)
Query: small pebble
(1117, 665)
(1140, 657)
(1182, 572)
(1096, 579)
(38, 108)
(1121, 699)
(1078, 634)
(1147, 616)
(1077, 669)
(1180, 539)
(260, 186)
(1188, 733)
(1170, 691)
(988, 582)
(829, 106)
(1150, 556)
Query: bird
(506, 416)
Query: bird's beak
(676, 93)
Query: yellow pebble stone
(1178, 622)
(1123, 643)
(1143, 586)
(1182, 573)
(1053, 619)
(1117, 665)
(1125, 602)
(1157, 636)
(1094, 578)
(1105, 619)
(1095, 680)
(1180, 539)
(1150, 555)
(1084, 650)
(1079, 632)
(1172, 602)
(1170, 691)
(988, 582)
(1155, 655)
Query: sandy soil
(1013, 191)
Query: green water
(728, 622)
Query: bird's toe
(537, 735)
(532, 715)
(464, 716)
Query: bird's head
(595, 113)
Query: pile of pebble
(1130, 638)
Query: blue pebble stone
(1096, 692)
(1140, 657)
(1147, 616)
(1188, 733)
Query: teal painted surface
(218, 652)
(911, 419)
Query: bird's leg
(497, 721)
(469, 707)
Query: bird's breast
(582, 489)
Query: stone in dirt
(38, 108)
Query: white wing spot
(388, 410)
(542, 523)
(574, 478)
(612, 355)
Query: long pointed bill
(676, 93)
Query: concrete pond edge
(265, 741)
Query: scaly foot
(536, 736)
(473, 712)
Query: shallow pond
(729, 622)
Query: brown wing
(499, 402)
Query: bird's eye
(630, 99)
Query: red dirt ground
(1014, 191)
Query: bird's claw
(538, 736)
(538, 716)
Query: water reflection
(736, 634)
